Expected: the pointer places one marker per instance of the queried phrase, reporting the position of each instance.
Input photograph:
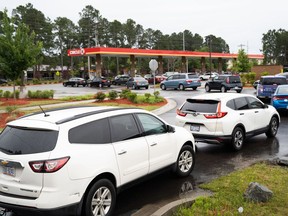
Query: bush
(156, 94)
(112, 95)
(147, 96)
(132, 96)
(1, 93)
(41, 94)
(7, 94)
(100, 96)
(124, 93)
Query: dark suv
(224, 83)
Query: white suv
(74, 160)
(218, 118)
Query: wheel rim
(207, 88)
(274, 126)
(223, 89)
(185, 161)
(101, 201)
(181, 87)
(238, 139)
(162, 87)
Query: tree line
(92, 29)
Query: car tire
(194, 88)
(207, 88)
(237, 140)
(147, 87)
(102, 195)
(77, 85)
(223, 89)
(185, 161)
(181, 87)
(273, 127)
(163, 87)
(133, 86)
(238, 91)
(65, 85)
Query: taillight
(180, 113)
(189, 81)
(48, 166)
(215, 115)
(227, 80)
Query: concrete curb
(171, 104)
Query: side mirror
(170, 129)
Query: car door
(261, 119)
(130, 147)
(162, 148)
(216, 82)
(245, 114)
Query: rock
(257, 193)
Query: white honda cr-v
(74, 160)
(227, 118)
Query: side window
(254, 103)
(151, 124)
(123, 128)
(96, 132)
(182, 76)
(241, 103)
(231, 104)
(175, 77)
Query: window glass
(241, 103)
(14, 140)
(175, 77)
(254, 103)
(203, 106)
(192, 76)
(95, 132)
(151, 124)
(123, 128)
(231, 104)
(182, 76)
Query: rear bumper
(212, 139)
(73, 209)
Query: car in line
(267, 86)
(150, 78)
(181, 81)
(208, 75)
(120, 80)
(137, 83)
(3, 81)
(285, 74)
(227, 118)
(73, 161)
(168, 73)
(280, 98)
(224, 83)
(99, 82)
(75, 81)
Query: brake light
(227, 80)
(180, 113)
(216, 115)
(189, 81)
(48, 166)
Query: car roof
(51, 119)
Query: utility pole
(210, 53)
(241, 46)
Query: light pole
(184, 50)
(210, 57)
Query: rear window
(16, 141)
(234, 79)
(203, 106)
(273, 81)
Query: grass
(228, 193)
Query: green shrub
(124, 93)
(265, 73)
(112, 95)
(17, 94)
(41, 94)
(7, 94)
(147, 96)
(10, 109)
(36, 81)
(156, 94)
(1, 93)
(132, 96)
(100, 96)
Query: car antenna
(45, 114)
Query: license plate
(195, 128)
(9, 171)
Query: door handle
(153, 144)
(122, 152)
(256, 111)
(241, 113)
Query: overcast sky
(239, 23)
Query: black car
(120, 80)
(3, 81)
(75, 81)
(224, 83)
(99, 82)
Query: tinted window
(273, 81)
(123, 128)
(254, 103)
(231, 104)
(151, 125)
(241, 103)
(204, 106)
(25, 141)
(95, 132)
(182, 76)
(234, 79)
